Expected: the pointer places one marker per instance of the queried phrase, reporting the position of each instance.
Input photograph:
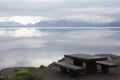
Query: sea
(35, 46)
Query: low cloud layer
(90, 10)
(23, 19)
(90, 18)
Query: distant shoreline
(14, 27)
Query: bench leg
(73, 73)
(78, 63)
(63, 70)
(91, 67)
(105, 69)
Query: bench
(69, 68)
(106, 65)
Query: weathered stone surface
(8, 72)
(3, 78)
(52, 72)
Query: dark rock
(9, 72)
(3, 78)
(42, 66)
(52, 72)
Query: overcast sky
(99, 10)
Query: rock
(7, 73)
(42, 66)
(3, 78)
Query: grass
(25, 74)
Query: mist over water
(35, 46)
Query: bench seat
(69, 68)
(106, 65)
(109, 64)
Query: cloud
(89, 18)
(59, 8)
(23, 19)
(55, 9)
(22, 32)
(94, 10)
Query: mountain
(61, 23)
(10, 24)
(112, 24)
(65, 23)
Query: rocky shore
(52, 72)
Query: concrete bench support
(106, 65)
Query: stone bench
(106, 65)
(69, 68)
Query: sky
(32, 11)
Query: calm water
(35, 46)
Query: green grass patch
(25, 74)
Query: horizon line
(16, 27)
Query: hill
(65, 23)
(10, 24)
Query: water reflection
(35, 46)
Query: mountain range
(11, 23)
(63, 23)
